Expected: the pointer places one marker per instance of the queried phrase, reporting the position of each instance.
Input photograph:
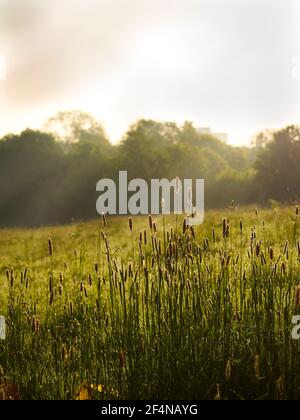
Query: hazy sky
(220, 63)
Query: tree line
(50, 176)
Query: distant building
(206, 130)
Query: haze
(227, 64)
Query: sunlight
(2, 67)
(163, 49)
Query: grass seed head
(104, 221)
(184, 226)
(257, 250)
(50, 247)
(224, 226)
(297, 296)
(130, 224)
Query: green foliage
(50, 177)
(277, 166)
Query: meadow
(150, 309)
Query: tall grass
(144, 311)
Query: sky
(232, 65)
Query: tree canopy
(50, 176)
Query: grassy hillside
(105, 312)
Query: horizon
(116, 141)
(225, 65)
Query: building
(206, 130)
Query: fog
(226, 64)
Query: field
(106, 310)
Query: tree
(261, 139)
(277, 166)
(76, 126)
(31, 167)
(143, 151)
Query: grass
(108, 313)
